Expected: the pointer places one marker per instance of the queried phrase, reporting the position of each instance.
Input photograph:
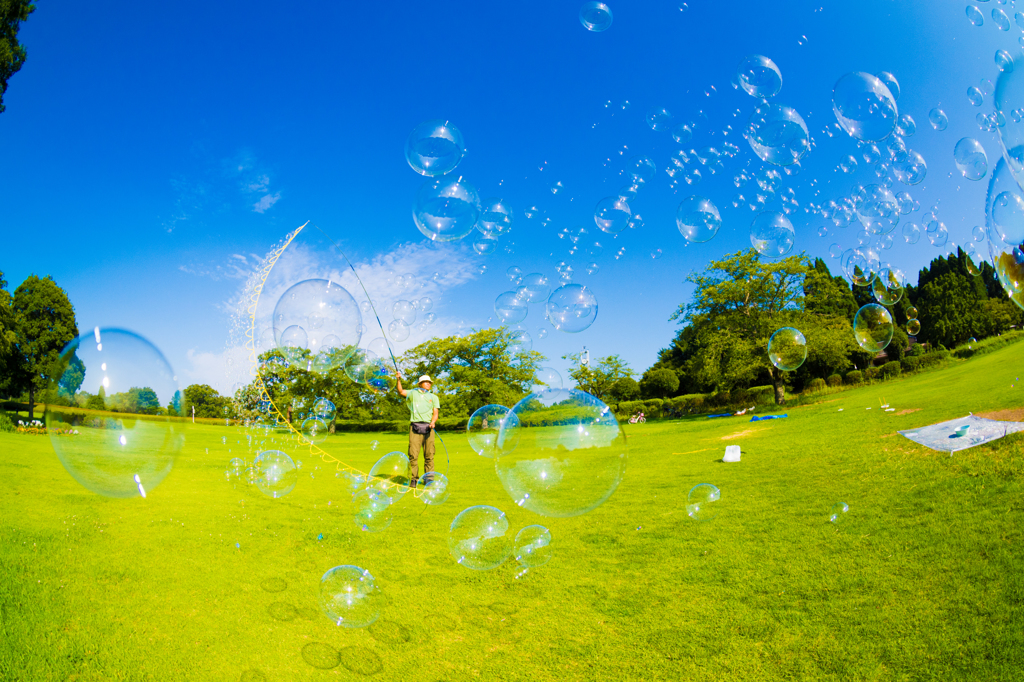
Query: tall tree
(45, 321)
(208, 403)
(12, 53)
(9, 358)
(598, 379)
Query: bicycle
(638, 418)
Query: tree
(45, 321)
(950, 310)
(626, 388)
(597, 380)
(828, 295)
(12, 54)
(737, 304)
(659, 383)
(208, 403)
(9, 358)
(472, 371)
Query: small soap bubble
(532, 546)
(864, 107)
(1004, 62)
(872, 327)
(913, 327)
(659, 119)
(434, 148)
(701, 502)
(937, 117)
(698, 219)
(890, 82)
(970, 159)
(350, 597)
(595, 16)
(479, 538)
(787, 348)
(772, 234)
(974, 15)
(975, 96)
(759, 76)
(1000, 19)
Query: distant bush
(695, 404)
(628, 408)
(854, 377)
(816, 385)
(720, 399)
(652, 408)
(6, 425)
(762, 395)
(910, 363)
(964, 352)
(936, 358)
(740, 396)
(871, 373)
(916, 350)
(890, 369)
(834, 380)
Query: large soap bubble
(864, 106)
(872, 327)
(510, 307)
(1009, 101)
(571, 308)
(372, 510)
(698, 219)
(446, 209)
(434, 488)
(125, 448)
(970, 158)
(390, 475)
(276, 473)
(479, 538)
(350, 597)
(887, 286)
(701, 502)
(771, 234)
(434, 148)
(570, 457)
(535, 287)
(495, 217)
(533, 546)
(326, 315)
(612, 214)
(759, 77)
(778, 134)
(787, 348)
(1004, 207)
(595, 16)
(483, 428)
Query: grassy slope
(922, 580)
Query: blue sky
(154, 153)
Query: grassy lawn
(923, 579)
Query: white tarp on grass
(943, 436)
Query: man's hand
(431, 426)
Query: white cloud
(265, 202)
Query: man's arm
(433, 418)
(401, 391)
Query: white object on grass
(732, 453)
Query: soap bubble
(359, 364)
(446, 209)
(612, 214)
(277, 474)
(533, 546)
(484, 426)
(911, 233)
(350, 597)
(937, 117)
(595, 16)
(974, 15)
(1004, 206)
(890, 82)
(838, 512)
(495, 217)
(910, 167)
(116, 455)
(1004, 62)
(434, 148)
(913, 327)
(1009, 265)
(864, 106)
(970, 158)
(975, 96)
(911, 312)
(434, 488)
(659, 119)
(372, 510)
(877, 209)
(872, 327)
(546, 378)
(887, 286)
(700, 502)
(321, 315)
(390, 475)
(479, 538)
(1000, 19)
(324, 409)
(536, 287)
(398, 330)
(485, 246)
(404, 311)
(682, 133)
(570, 457)
(937, 233)
(759, 77)
(641, 169)
(314, 430)
(906, 126)
(510, 308)
(698, 219)
(235, 472)
(514, 274)
(787, 348)
(778, 134)
(771, 234)
(571, 308)
(905, 203)
(972, 258)
(520, 341)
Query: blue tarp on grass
(942, 436)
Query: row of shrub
(697, 403)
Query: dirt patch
(739, 434)
(889, 435)
(1015, 414)
(908, 411)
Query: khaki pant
(417, 443)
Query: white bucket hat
(424, 378)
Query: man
(423, 410)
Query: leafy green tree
(659, 383)
(473, 370)
(9, 358)
(627, 388)
(12, 53)
(598, 379)
(208, 403)
(828, 295)
(950, 310)
(72, 378)
(45, 321)
(98, 401)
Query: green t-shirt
(421, 405)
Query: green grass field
(922, 580)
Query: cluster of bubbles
(480, 539)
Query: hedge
(890, 369)
(854, 377)
(816, 385)
(835, 380)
